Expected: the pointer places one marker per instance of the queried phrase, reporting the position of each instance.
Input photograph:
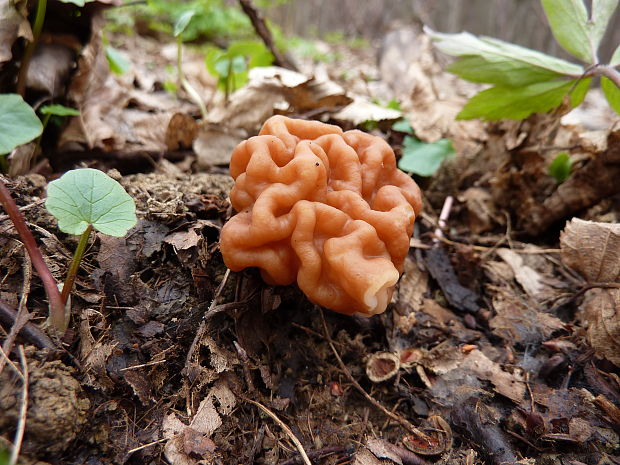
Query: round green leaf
(18, 122)
(422, 158)
(87, 196)
(560, 167)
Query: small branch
(8, 316)
(264, 33)
(402, 421)
(36, 33)
(57, 308)
(21, 424)
(282, 425)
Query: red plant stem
(57, 308)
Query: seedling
(179, 28)
(560, 167)
(421, 158)
(81, 200)
(231, 66)
(526, 81)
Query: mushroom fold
(324, 208)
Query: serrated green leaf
(402, 125)
(422, 158)
(18, 122)
(569, 23)
(182, 22)
(58, 110)
(602, 10)
(519, 102)
(87, 196)
(560, 167)
(493, 61)
(612, 93)
(118, 62)
(615, 58)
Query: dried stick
(282, 425)
(403, 422)
(36, 336)
(21, 424)
(22, 313)
(264, 33)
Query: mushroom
(324, 208)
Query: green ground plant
(81, 200)
(525, 81)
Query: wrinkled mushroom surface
(322, 207)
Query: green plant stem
(610, 73)
(185, 83)
(75, 264)
(36, 33)
(57, 307)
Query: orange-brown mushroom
(322, 207)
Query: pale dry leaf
(225, 397)
(506, 384)
(206, 420)
(382, 450)
(174, 449)
(182, 240)
(364, 457)
(213, 146)
(529, 279)
(361, 110)
(13, 24)
(592, 249)
(602, 314)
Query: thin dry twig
(282, 425)
(33, 333)
(21, 424)
(22, 313)
(394, 416)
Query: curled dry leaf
(593, 250)
(13, 24)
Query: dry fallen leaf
(593, 250)
(13, 24)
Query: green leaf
(18, 122)
(519, 102)
(602, 10)
(612, 93)
(58, 110)
(182, 22)
(118, 62)
(615, 58)
(560, 167)
(493, 61)
(87, 196)
(402, 125)
(569, 23)
(422, 158)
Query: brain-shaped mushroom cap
(322, 207)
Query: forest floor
(499, 344)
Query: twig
(282, 425)
(23, 315)
(203, 324)
(264, 33)
(394, 416)
(443, 217)
(21, 424)
(316, 454)
(8, 315)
